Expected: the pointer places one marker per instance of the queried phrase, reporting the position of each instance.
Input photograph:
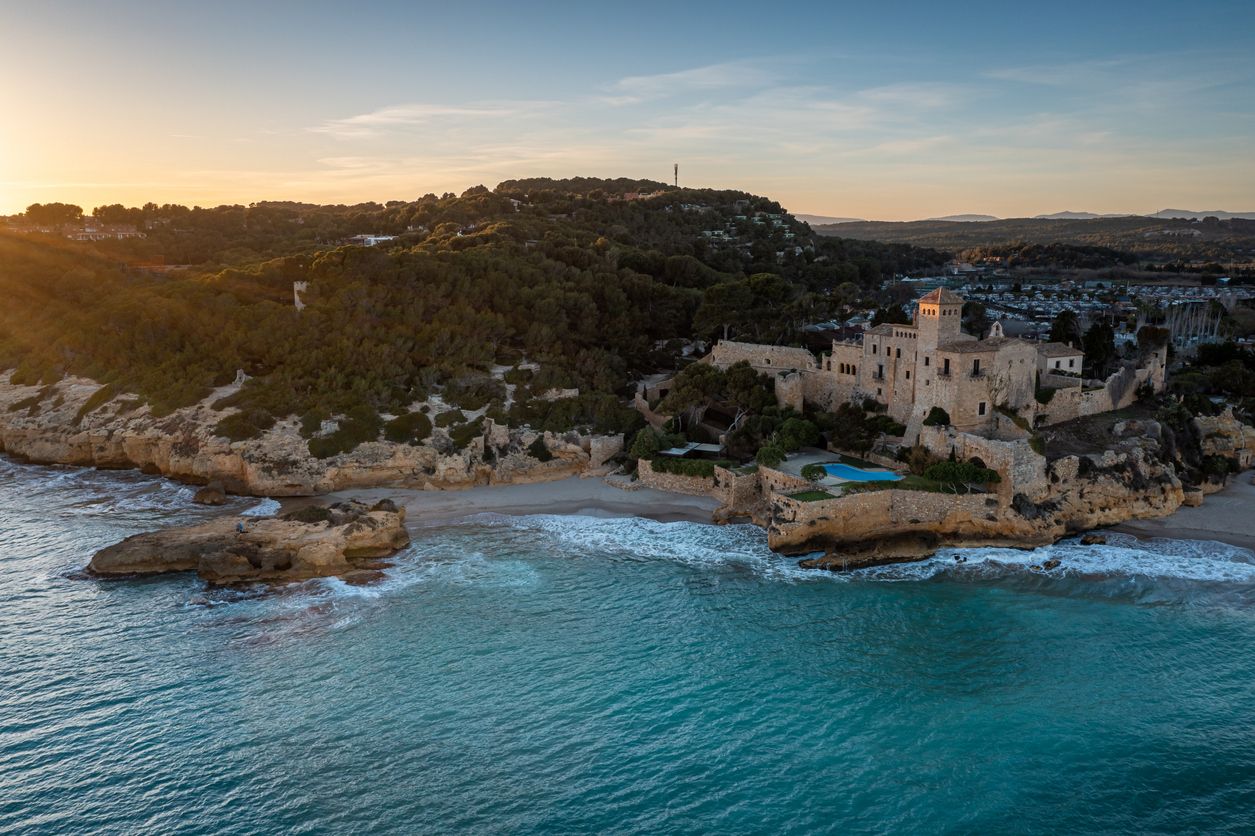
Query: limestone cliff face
(1078, 493)
(315, 542)
(122, 434)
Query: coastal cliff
(57, 424)
(1069, 495)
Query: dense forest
(587, 278)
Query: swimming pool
(857, 474)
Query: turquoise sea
(554, 674)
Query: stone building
(930, 363)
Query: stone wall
(1022, 470)
(673, 482)
(798, 526)
(790, 389)
(768, 358)
(738, 492)
(772, 481)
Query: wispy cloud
(738, 75)
(404, 116)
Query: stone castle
(931, 363)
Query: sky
(885, 110)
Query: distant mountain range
(1163, 214)
(815, 220)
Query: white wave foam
(265, 508)
(637, 538)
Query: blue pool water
(551, 674)
(857, 474)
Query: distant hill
(966, 218)
(1076, 216)
(1213, 213)
(813, 220)
(1150, 239)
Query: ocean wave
(265, 508)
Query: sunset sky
(877, 110)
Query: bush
(475, 393)
(1044, 396)
(410, 428)
(245, 425)
(539, 450)
(463, 434)
(814, 472)
(703, 468)
(98, 399)
(961, 473)
(518, 376)
(937, 417)
(770, 455)
(311, 422)
(448, 419)
(359, 425)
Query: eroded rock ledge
(316, 541)
(55, 425)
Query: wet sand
(574, 496)
(1227, 516)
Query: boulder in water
(1094, 540)
(212, 494)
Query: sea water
(548, 674)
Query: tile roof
(943, 297)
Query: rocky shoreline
(343, 539)
(56, 424)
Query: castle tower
(939, 318)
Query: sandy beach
(1227, 516)
(587, 497)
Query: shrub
(410, 428)
(814, 472)
(961, 473)
(1044, 396)
(539, 450)
(98, 399)
(703, 468)
(463, 434)
(245, 425)
(311, 422)
(448, 419)
(770, 455)
(359, 425)
(475, 392)
(937, 417)
(517, 376)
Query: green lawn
(811, 496)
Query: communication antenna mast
(677, 175)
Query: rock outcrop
(1078, 493)
(316, 541)
(58, 428)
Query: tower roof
(942, 296)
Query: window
(1071, 363)
(975, 367)
(908, 374)
(945, 366)
(897, 353)
(878, 392)
(926, 359)
(980, 408)
(875, 349)
(1057, 364)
